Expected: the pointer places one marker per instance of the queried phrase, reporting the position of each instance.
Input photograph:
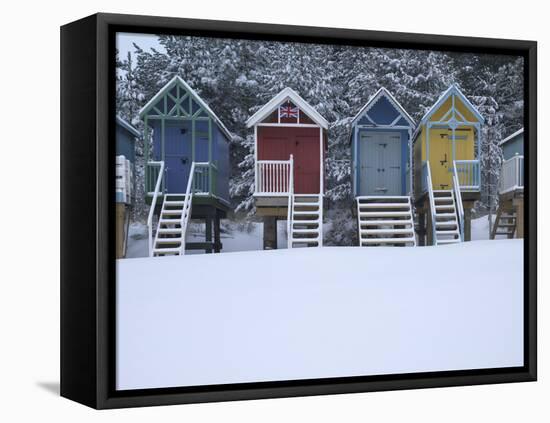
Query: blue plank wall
(382, 113)
(220, 156)
(513, 147)
(220, 148)
(125, 143)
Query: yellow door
(441, 151)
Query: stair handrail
(458, 200)
(431, 199)
(154, 204)
(187, 203)
(290, 202)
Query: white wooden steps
(172, 225)
(447, 230)
(505, 223)
(306, 221)
(385, 221)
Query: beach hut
(290, 140)
(187, 172)
(509, 218)
(126, 136)
(447, 174)
(382, 172)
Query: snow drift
(317, 313)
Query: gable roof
(511, 137)
(128, 127)
(286, 94)
(452, 90)
(383, 92)
(172, 83)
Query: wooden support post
(270, 233)
(208, 234)
(468, 221)
(121, 234)
(429, 227)
(217, 233)
(518, 206)
(422, 227)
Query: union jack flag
(288, 111)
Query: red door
(278, 143)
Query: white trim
(175, 80)
(374, 99)
(287, 94)
(289, 125)
(128, 127)
(321, 163)
(453, 89)
(510, 137)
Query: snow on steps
(385, 221)
(172, 225)
(447, 230)
(306, 221)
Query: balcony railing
(511, 175)
(468, 173)
(274, 177)
(152, 171)
(205, 177)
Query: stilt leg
(270, 233)
(217, 234)
(208, 235)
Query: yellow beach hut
(447, 176)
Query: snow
(318, 312)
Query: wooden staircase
(385, 221)
(505, 223)
(172, 225)
(447, 230)
(305, 218)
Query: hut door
(440, 158)
(390, 164)
(177, 145)
(307, 164)
(380, 164)
(368, 174)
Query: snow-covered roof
(452, 90)
(127, 126)
(287, 94)
(510, 137)
(383, 92)
(178, 80)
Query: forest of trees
(236, 77)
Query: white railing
(468, 174)
(511, 175)
(156, 192)
(290, 203)
(187, 205)
(458, 200)
(273, 177)
(427, 183)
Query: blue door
(177, 145)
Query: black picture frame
(87, 221)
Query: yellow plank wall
(441, 146)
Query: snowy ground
(314, 313)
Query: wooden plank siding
(278, 143)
